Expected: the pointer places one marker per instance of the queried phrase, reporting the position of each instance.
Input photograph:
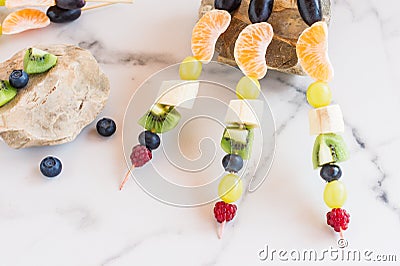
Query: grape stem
(220, 231)
(126, 178)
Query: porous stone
(56, 105)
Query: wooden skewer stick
(126, 178)
(341, 235)
(86, 8)
(220, 231)
(112, 1)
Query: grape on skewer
(29, 19)
(66, 4)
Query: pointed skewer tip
(220, 231)
(126, 178)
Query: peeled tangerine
(312, 52)
(335, 194)
(206, 32)
(22, 3)
(23, 20)
(230, 188)
(251, 47)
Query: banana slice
(245, 112)
(328, 119)
(179, 93)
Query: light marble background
(82, 219)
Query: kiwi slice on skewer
(237, 140)
(329, 148)
(37, 61)
(7, 92)
(160, 118)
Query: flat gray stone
(56, 105)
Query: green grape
(248, 88)
(230, 188)
(335, 194)
(190, 68)
(319, 94)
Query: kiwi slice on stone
(329, 148)
(160, 118)
(7, 92)
(37, 61)
(237, 140)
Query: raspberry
(224, 211)
(140, 155)
(338, 219)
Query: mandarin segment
(312, 51)
(251, 47)
(23, 20)
(22, 3)
(206, 32)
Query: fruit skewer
(243, 114)
(66, 3)
(161, 118)
(29, 19)
(326, 120)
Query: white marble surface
(82, 219)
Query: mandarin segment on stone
(287, 24)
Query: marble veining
(82, 219)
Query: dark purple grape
(59, 15)
(260, 10)
(228, 5)
(70, 4)
(310, 10)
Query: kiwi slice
(329, 148)
(37, 61)
(237, 140)
(160, 118)
(7, 92)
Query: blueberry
(149, 139)
(330, 172)
(106, 127)
(18, 79)
(232, 163)
(50, 166)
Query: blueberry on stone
(18, 79)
